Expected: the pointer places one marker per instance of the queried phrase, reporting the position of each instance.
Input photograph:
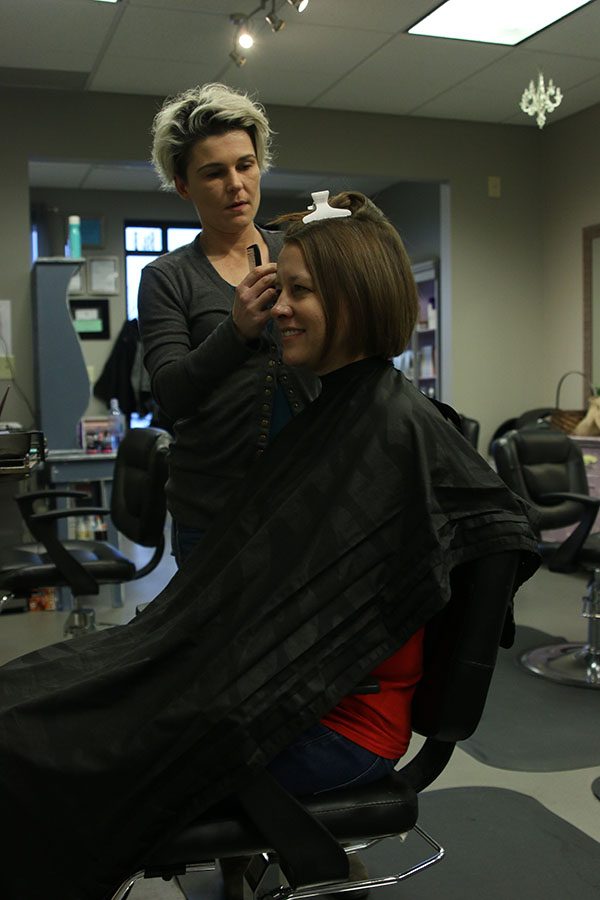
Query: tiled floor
(549, 602)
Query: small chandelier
(539, 100)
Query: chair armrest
(584, 499)
(43, 528)
(41, 495)
(73, 512)
(564, 559)
(26, 502)
(427, 764)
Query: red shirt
(381, 722)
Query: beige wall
(514, 262)
(570, 201)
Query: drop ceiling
(350, 55)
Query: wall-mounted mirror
(591, 304)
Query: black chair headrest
(535, 462)
(138, 507)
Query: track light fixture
(237, 57)
(273, 19)
(243, 36)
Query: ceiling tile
(316, 48)
(57, 174)
(577, 35)
(514, 71)
(471, 103)
(33, 34)
(146, 76)
(391, 16)
(198, 6)
(276, 86)
(169, 34)
(386, 81)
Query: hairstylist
(213, 358)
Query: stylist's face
(223, 181)
(300, 317)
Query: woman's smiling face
(301, 319)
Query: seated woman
(324, 569)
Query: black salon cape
(337, 549)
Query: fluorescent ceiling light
(107, 1)
(493, 21)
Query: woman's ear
(181, 187)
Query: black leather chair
(546, 468)
(138, 511)
(531, 418)
(309, 840)
(470, 429)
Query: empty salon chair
(470, 429)
(531, 418)
(546, 468)
(138, 511)
(534, 418)
(309, 840)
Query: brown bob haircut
(362, 274)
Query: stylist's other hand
(254, 297)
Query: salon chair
(531, 418)
(137, 510)
(470, 430)
(546, 468)
(308, 841)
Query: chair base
(80, 621)
(260, 885)
(574, 664)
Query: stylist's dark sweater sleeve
(179, 373)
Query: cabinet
(420, 362)
(62, 386)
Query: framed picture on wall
(92, 232)
(103, 275)
(77, 283)
(91, 318)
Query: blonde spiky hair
(197, 113)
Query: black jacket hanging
(122, 377)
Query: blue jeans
(184, 540)
(321, 760)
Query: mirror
(591, 304)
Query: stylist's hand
(254, 297)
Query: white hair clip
(322, 210)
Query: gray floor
(549, 602)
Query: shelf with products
(421, 360)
